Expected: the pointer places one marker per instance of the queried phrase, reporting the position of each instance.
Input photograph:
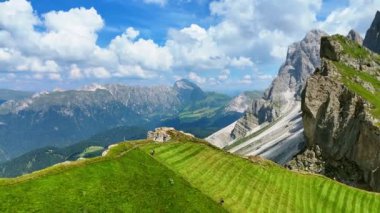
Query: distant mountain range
(63, 118)
(212, 113)
(48, 156)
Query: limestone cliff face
(301, 61)
(338, 110)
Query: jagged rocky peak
(285, 91)
(372, 37)
(301, 60)
(341, 112)
(188, 91)
(355, 36)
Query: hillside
(184, 174)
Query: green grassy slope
(265, 187)
(180, 176)
(351, 75)
(45, 157)
(131, 182)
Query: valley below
(184, 172)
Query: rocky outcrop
(355, 36)
(308, 161)
(301, 61)
(338, 116)
(372, 38)
(165, 134)
(160, 134)
(312, 161)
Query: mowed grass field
(178, 177)
(259, 187)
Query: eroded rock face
(372, 38)
(338, 119)
(301, 61)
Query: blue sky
(222, 45)
(152, 20)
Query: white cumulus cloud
(196, 78)
(65, 45)
(62, 45)
(358, 15)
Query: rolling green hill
(183, 175)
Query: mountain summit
(301, 61)
(188, 91)
(355, 36)
(372, 38)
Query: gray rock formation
(301, 61)
(355, 36)
(339, 118)
(160, 134)
(165, 134)
(308, 161)
(241, 102)
(372, 37)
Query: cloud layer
(247, 36)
